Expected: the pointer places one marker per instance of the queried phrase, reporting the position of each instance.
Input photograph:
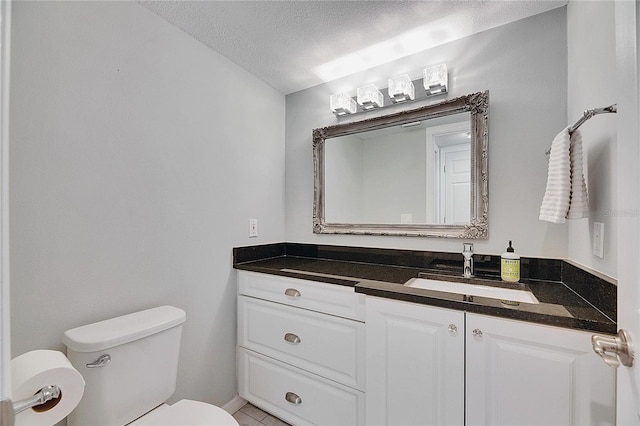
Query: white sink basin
(508, 294)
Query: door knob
(614, 350)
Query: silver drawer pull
(292, 292)
(453, 329)
(292, 338)
(293, 398)
(477, 332)
(100, 362)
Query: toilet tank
(143, 348)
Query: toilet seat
(186, 413)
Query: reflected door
(456, 184)
(449, 150)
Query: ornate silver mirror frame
(477, 104)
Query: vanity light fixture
(436, 80)
(401, 88)
(342, 104)
(370, 97)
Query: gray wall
(343, 165)
(592, 71)
(134, 171)
(398, 187)
(524, 66)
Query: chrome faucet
(467, 252)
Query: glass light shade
(436, 80)
(401, 88)
(342, 104)
(370, 97)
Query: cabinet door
(415, 364)
(528, 374)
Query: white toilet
(129, 364)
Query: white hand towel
(557, 196)
(579, 204)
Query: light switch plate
(598, 239)
(253, 228)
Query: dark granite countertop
(560, 305)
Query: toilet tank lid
(124, 329)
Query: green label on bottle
(510, 270)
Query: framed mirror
(420, 172)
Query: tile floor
(250, 415)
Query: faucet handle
(467, 268)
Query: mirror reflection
(413, 173)
(420, 172)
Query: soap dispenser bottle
(510, 265)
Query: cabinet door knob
(453, 329)
(477, 332)
(614, 350)
(293, 398)
(292, 338)
(292, 292)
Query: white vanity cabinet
(415, 364)
(301, 349)
(523, 373)
(426, 367)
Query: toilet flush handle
(100, 362)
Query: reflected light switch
(406, 218)
(598, 239)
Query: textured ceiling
(293, 45)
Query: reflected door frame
(433, 184)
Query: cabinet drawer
(296, 396)
(322, 297)
(330, 346)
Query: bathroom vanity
(331, 335)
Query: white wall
(592, 71)
(524, 66)
(134, 170)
